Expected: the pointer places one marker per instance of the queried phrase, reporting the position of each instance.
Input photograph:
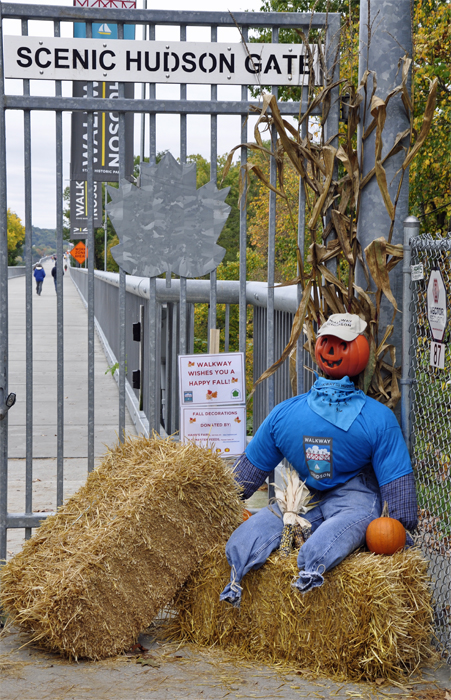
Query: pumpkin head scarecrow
(347, 449)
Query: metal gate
(148, 106)
(431, 434)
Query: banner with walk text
(106, 124)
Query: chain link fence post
(411, 228)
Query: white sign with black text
(59, 58)
(417, 272)
(221, 428)
(437, 305)
(437, 356)
(212, 379)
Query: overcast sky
(43, 123)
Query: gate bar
(60, 295)
(3, 313)
(90, 222)
(243, 220)
(411, 228)
(152, 105)
(301, 245)
(289, 20)
(214, 177)
(270, 339)
(122, 311)
(28, 306)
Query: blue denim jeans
(339, 523)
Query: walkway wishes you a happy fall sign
(212, 401)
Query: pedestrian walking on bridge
(39, 274)
(54, 276)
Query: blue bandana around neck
(337, 401)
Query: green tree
(430, 172)
(16, 237)
(230, 234)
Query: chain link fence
(431, 433)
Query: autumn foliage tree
(430, 172)
(16, 237)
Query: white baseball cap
(344, 326)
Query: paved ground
(187, 673)
(45, 395)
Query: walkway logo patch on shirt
(318, 456)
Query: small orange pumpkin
(246, 514)
(385, 535)
(340, 358)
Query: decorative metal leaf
(166, 224)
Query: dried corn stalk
(293, 501)
(333, 214)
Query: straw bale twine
(97, 572)
(370, 619)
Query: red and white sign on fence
(110, 4)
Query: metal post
(143, 97)
(301, 245)
(105, 244)
(3, 310)
(182, 316)
(122, 296)
(153, 400)
(243, 224)
(214, 177)
(91, 257)
(411, 228)
(385, 37)
(59, 301)
(28, 306)
(270, 337)
(152, 115)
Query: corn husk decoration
(293, 502)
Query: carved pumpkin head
(339, 358)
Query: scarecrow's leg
(250, 546)
(347, 509)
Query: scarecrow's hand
(248, 476)
(401, 499)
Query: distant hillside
(44, 240)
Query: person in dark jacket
(39, 274)
(54, 276)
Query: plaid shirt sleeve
(401, 499)
(248, 476)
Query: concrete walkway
(45, 397)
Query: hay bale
(97, 572)
(370, 619)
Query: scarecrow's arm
(248, 476)
(401, 499)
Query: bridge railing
(142, 401)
